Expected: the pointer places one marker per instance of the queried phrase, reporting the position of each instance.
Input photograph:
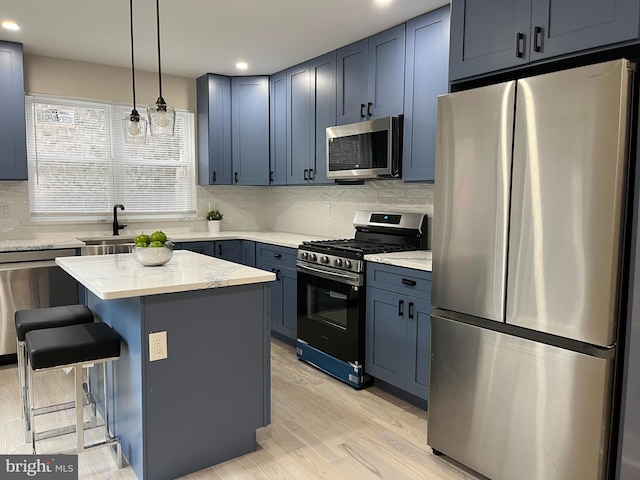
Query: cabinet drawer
(406, 281)
(274, 255)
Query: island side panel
(123, 316)
(204, 402)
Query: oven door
(331, 312)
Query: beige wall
(68, 78)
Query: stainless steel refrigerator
(528, 247)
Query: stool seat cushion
(54, 347)
(50, 317)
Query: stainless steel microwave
(364, 150)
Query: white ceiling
(200, 36)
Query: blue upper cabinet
(250, 130)
(492, 35)
(488, 35)
(353, 84)
(214, 130)
(370, 77)
(13, 146)
(426, 77)
(311, 108)
(386, 73)
(300, 120)
(567, 26)
(322, 71)
(278, 130)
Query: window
(80, 166)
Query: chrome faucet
(116, 226)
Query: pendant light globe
(162, 117)
(134, 126)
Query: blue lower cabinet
(284, 306)
(249, 253)
(205, 248)
(230, 250)
(397, 328)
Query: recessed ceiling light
(242, 65)
(383, 3)
(9, 25)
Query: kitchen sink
(107, 246)
(106, 249)
(98, 241)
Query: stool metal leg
(78, 371)
(31, 409)
(21, 376)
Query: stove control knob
(324, 259)
(347, 264)
(304, 255)
(312, 257)
(337, 262)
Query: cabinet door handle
(537, 39)
(214, 176)
(277, 255)
(311, 177)
(235, 177)
(306, 174)
(369, 105)
(219, 250)
(362, 110)
(277, 274)
(519, 44)
(410, 309)
(271, 176)
(406, 281)
(401, 308)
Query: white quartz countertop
(120, 276)
(418, 260)
(51, 241)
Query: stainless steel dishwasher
(31, 280)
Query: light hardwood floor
(320, 429)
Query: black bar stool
(74, 346)
(37, 319)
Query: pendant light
(162, 117)
(135, 126)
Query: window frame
(177, 155)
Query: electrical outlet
(157, 346)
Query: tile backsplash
(314, 210)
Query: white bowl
(152, 256)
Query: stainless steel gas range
(331, 290)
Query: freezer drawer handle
(406, 281)
(519, 44)
(401, 308)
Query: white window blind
(80, 166)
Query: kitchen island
(202, 403)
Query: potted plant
(214, 217)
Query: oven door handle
(338, 277)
